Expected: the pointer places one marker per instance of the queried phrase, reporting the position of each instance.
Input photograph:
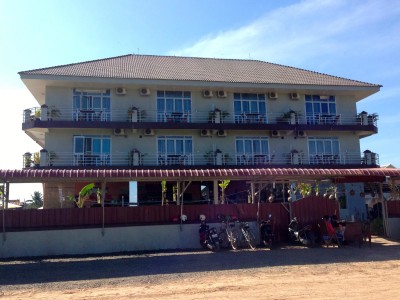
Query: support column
(386, 230)
(252, 192)
(215, 191)
(103, 196)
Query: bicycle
(247, 235)
(229, 235)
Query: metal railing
(211, 158)
(120, 115)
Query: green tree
(84, 194)
(37, 198)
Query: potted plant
(53, 113)
(217, 116)
(289, 117)
(28, 160)
(36, 159)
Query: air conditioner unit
(294, 96)
(275, 133)
(221, 94)
(144, 92)
(205, 132)
(120, 91)
(148, 131)
(119, 131)
(222, 132)
(273, 95)
(301, 133)
(207, 94)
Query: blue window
(249, 108)
(91, 105)
(92, 150)
(174, 106)
(320, 108)
(251, 150)
(323, 150)
(174, 150)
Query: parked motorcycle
(301, 234)
(267, 233)
(208, 236)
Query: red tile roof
(46, 175)
(194, 69)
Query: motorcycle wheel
(234, 239)
(223, 240)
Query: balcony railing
(211, 158)
(136, 115)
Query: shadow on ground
(58, 269)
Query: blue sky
(356, 39)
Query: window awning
(254, 174)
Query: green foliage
(163, 192)
(304, 188)
(37, 200)
(84, 195)
(223, 185)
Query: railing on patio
(137, 115)
(211, 158)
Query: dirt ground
(289, 272)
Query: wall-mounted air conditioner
(148, 132)
(273, 95)
(144, 92)
(275, 133)
(207, 94)
(221, 94)
(301, 134)
(294, 96)
(119, 131)
(222, 132)
(205, 132)
(120, 91)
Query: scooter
(303, 235)
(267, 233)
(208, 236)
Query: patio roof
(254, 174)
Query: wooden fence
(393, 209)
(307, 210)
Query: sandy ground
(289, 272)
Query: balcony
(34, 117)
(217, 158)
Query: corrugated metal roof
(153, 67)
(46, 175)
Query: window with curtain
(91, 105)
(92, 150)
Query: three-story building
(155, 113)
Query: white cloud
(303, 31)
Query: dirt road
(285, 273)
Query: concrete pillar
(215, 189)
